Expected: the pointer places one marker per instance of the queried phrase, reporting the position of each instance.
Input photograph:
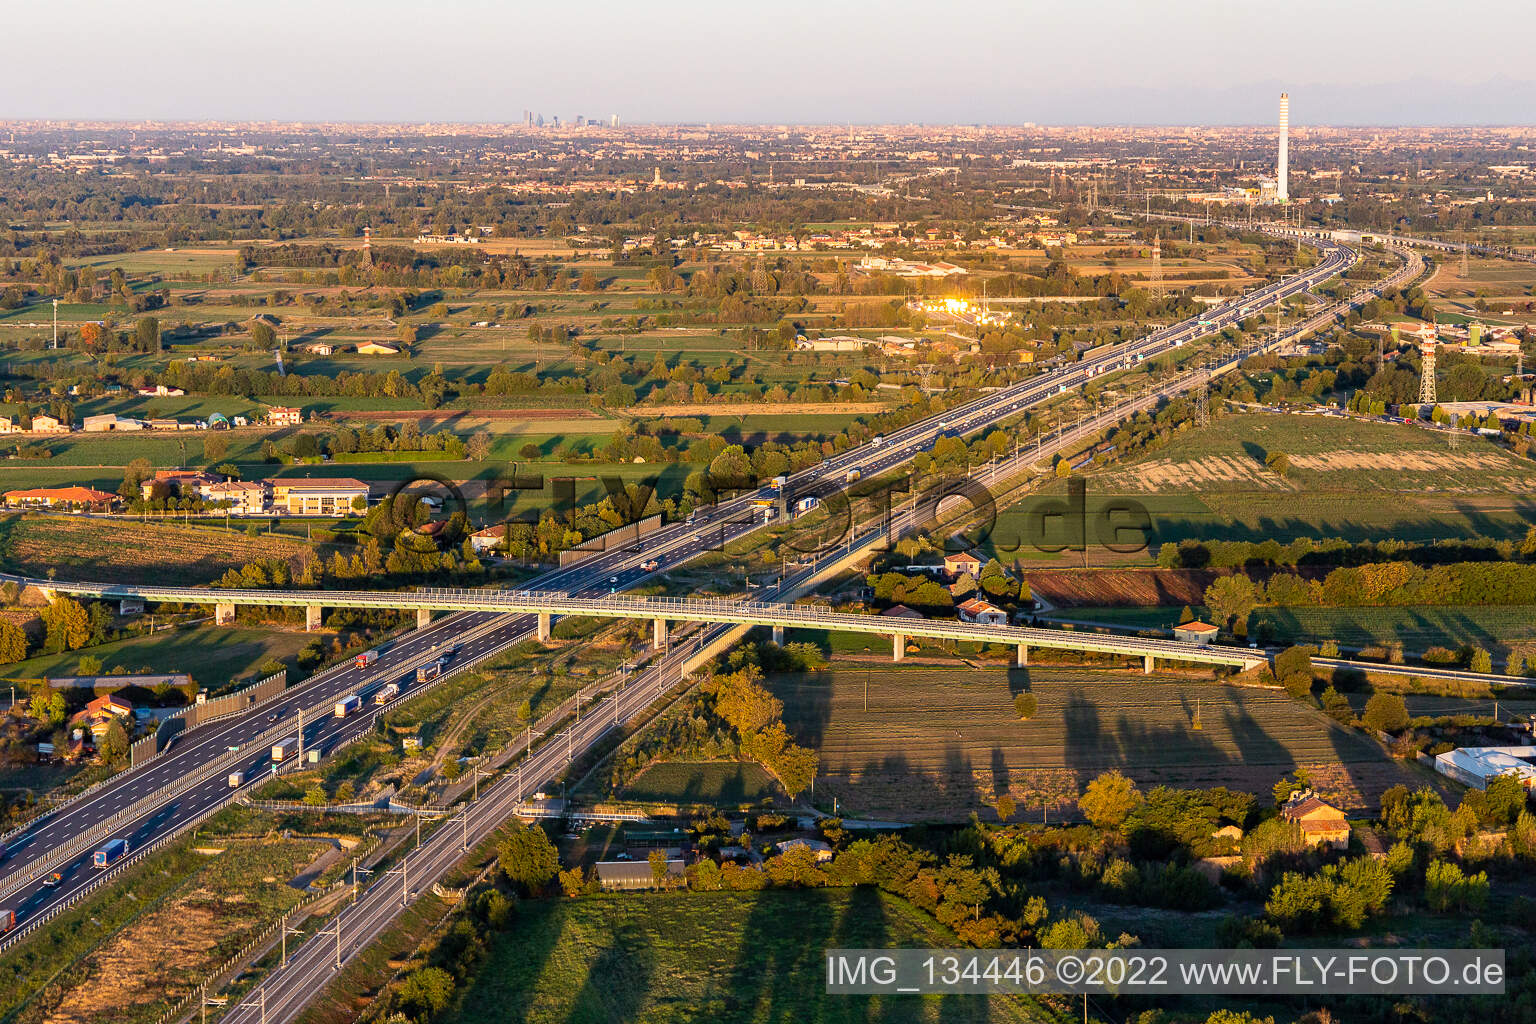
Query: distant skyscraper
(613, 121)
(1283, 166)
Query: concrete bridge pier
(312, 613)
(544, 633)
(1148, 663)
(224, 614)
(778, 635)
(423, 618)
(898, 647)
(659, 634)
(1021, 656)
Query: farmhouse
(45, 424)
(983, 612)
(901, 611)
(168, 483)
(1321, 823)
(60, 497)
(101, 712)
(1195, 632)
(819, 850)
(318, 496)
(283, 416)
(962, 563)
(488, 540)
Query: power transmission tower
(925, 371)
(1464, 271)
(1427, 375)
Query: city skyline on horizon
(977, 63)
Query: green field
(1499, 629)
(1351, 479)
(1326, 454)
(214, 655)
(717, 957)
(936, 743)
(721, 783)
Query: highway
(22, 888)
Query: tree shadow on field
(916, 794)
(777, 973)
(1001, 776)
(807, 701)
(618, 974)
(1147, 751)
(505, 987)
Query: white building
(1477, 766)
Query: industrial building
(1478, 766)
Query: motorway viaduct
(662, 610)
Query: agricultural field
(720, 783)
(157, 931)
(215, 656)
(726, 957)
(1326, 453)
(125, 551)
(1351, 479)
(1075, 589)
(1500, 284)
(937, 744)
(1500, 629)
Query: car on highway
(272, 718)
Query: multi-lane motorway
(23, 887)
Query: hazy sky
(963, 61)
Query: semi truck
(347, 705)
(427, 673)
(284, 749)
(386, 693)
(110, 854)
(236, 779)
(853, 476)
(367, 658)
(7, 920)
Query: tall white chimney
(1283, 167)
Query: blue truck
(111, 853)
